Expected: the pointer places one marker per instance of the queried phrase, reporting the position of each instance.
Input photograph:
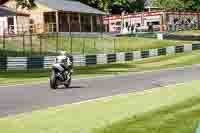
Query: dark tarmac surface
(27, 98)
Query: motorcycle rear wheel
(53, 82)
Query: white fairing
(69, 63)
(58, 66)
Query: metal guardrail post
(114, 45)
(57, 42)
(31, 42)
(23, 37)
(40, 36)
(103, 41)
(71, 47)
(94, 44)
(83, 48)
(4, 40)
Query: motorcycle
(61, 72)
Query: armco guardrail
(29, 63)
(139, 34)
(162, 36)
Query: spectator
(132, 28)
(150, 27)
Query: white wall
(23, 23)
(3, 24)
(38, 19)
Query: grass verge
(183, 117)
(153, 63)
(173, 105)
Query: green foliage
(178, 5)
(169, 5)
(119, 2)
(195, 5)
(100, 4)
(137, 5)
(107, 5)
(25, 3)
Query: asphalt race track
(27, 98)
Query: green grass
(14, 46)
(183, 117)
(132, 44)
(154, 63)
(127, 44)
(109, 45)
(89, 117)
(190, 32)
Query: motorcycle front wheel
(68, 83)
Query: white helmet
(62, 53)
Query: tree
(186, 4)
(173, 5)
(195, 5)
(25, 3)
(136, 5)
(100, 4)
(116, 5)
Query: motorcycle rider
(66, 61)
